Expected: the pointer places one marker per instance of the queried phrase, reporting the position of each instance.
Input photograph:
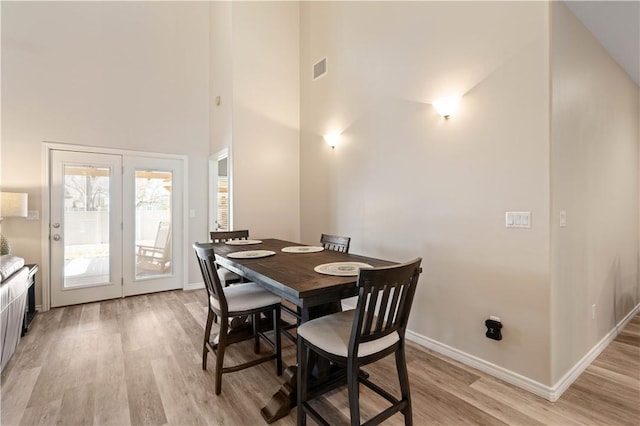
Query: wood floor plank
(178, 405)
(111, 404)
(16, 392)
(137, 361)
(145, 403)
(38, 415)
(530, 405)
(77, 405)
(111, 399)
(52, 380)
(603, 400)
(504, 413)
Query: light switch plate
(518, 219)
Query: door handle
(56, 225)
(56, 237)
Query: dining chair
(226, 276)
(354, 338)
(329, 242)
(335, 243)
(241, 300)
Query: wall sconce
(12, 204)
(332, 139)
(446, 106)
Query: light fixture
(446, 106)
(12, 204)
(332, 139)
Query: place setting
(302, 249)
(251, 254)
(341, 269)
(242, 242)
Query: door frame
(47, 147)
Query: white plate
(251, 254)
(302, 249)
(242, 242)
(341, 269)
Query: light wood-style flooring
(138, 361)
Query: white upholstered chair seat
(243, 297)
(226, 275)
(331, 333)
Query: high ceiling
(616, 24)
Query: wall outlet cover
(493, 329)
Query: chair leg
(302, 380)
(278, 340)
(207, 335)
(353, 385)
(403, 376)
(224, 324)
(256, 336)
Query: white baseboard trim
(551, 393)
(38, 308)
(193, 286)
(566, 380)
(494, 370)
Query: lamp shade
(332, 139)
(446, 106)
(14, 204)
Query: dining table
(290, 270)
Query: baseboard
(193, 286)
(566, 380)
(494, 370)
(551, 393)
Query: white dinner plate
(242, 242)
(341, 269)
(251, 254)
(302, 249)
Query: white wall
(265, 117)
(594, 177)
(221, 75)
(127, 75)
(406, 183)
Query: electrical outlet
(493, 328)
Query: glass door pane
(222, 218)
(153, 223)
(86, 225)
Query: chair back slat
(206, 261)
(384, 301)
(370, 312)
(335, 243)
(393, 306)
(222, 236)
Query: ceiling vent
(319, 68)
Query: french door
(115, 224)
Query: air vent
(319, 68)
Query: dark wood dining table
(292, 277)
